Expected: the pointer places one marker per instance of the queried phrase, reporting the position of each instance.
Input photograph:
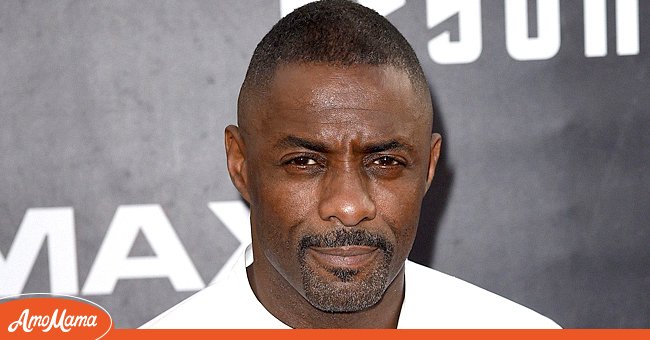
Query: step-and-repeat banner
(113, 185)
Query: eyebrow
(393, 144)
(299, 142)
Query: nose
(345, 197)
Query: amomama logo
(39, 313)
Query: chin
(345, 290)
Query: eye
(386, 161)
(304, 164)
(302, 161)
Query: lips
(352, 257)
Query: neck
(285, 303)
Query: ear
(434, 155)
(236, 159)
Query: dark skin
(327, 148)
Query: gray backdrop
(111, 126)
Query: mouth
(348, 257)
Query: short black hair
(332, 32)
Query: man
(334, 154)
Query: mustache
(346, 237)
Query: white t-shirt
(431, 300)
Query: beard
(349, 290)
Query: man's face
(335, 163)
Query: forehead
(339, 102)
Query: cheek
(399, 204)
(285, 203)
(276, 197)
(400, 210)
(281, 207)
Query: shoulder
(437, 300)
(205, 309)
(229, 303)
